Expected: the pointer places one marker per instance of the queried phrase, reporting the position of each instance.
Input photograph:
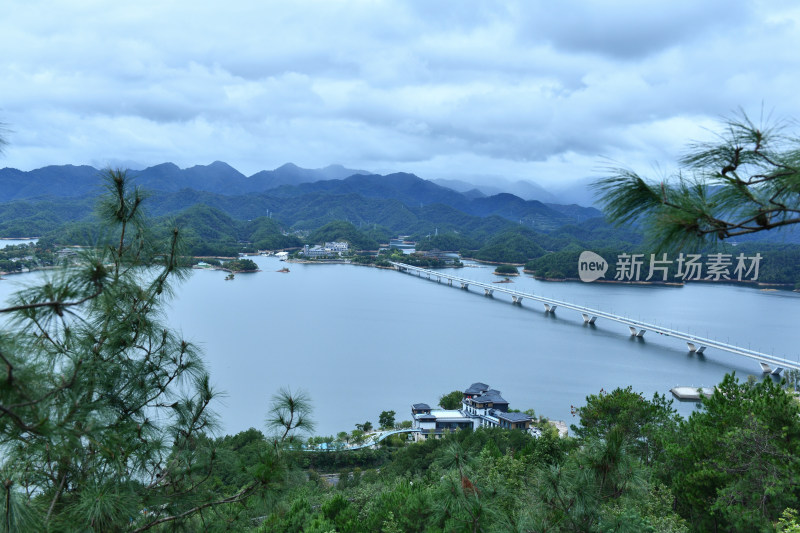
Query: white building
(481, 406)
(330, 248)
(339, 247)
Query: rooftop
(420, 406)
(490, 395)
(513, 417)
(476, 388)
(449, 414)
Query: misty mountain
(305, 205)
(291, 174)
(578, 192)
(407, 188)
(414, 191)
(524, 189)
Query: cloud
(515, 89)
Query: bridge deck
(372, 440)
(640, 327)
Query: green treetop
(746, 182)
(451, 400)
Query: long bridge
(696, 344)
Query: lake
(362, 340)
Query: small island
(240, 265)
(506, 270)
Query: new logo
(591, 266)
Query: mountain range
(42, 200)
(302, 198)
(218, 177)
(221, 178)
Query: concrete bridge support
(695, 349)
(550, 308)
(465, 286)
(634, 333)
(587, 319)
(768, 370)
(450, 282)
(516, 299)
(489, 292)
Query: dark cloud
(629, 28)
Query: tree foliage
(451, 400)
(747, 181)
(735, 464)
(290, 413)
(643, 424)
(104, 410)
(386, 419)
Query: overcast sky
(471, 90)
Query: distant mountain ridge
(218, 177)
(287, 181)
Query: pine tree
(103, 408)
(747, 181)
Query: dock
(691, 393)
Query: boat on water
(283, 256)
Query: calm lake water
(9, 242)
(362, 340)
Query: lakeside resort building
(481, 406)
(328, 249)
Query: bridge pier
(587, 320)
(765, 368)
(450, 282)
(488, 292)
(695, 349)
(516, 299)
(550, 308)
(465, 286)
(634, 333)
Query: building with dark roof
(420, 408)
(481, 406)
(476, 389)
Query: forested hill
(500, 228)
(36, 202)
